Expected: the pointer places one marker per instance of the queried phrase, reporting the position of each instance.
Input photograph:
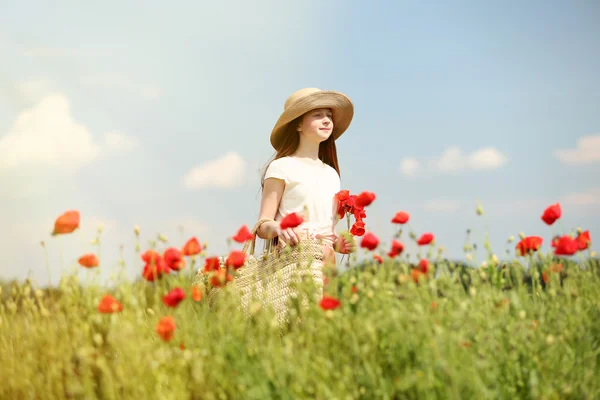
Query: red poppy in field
(174, 297)
(243, 234)
(212, 264)
(378, 258)
(291, 220)
(584, 240)
(192, 247)
(236, 259)
(397, 249)
(174, 259)
(166, 328)
(220, 278)
(329, 303)
(552, 213)
(369, 241)
(88, 260)
(401, 217)
(565, 246)
(358, 228)
(364, 199)
(196, 293)
(66, 222)
(425, 239)
(108, 304)
(423, 266)
(528, 245)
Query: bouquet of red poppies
(354, 205)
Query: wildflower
(401, 217)
(166, 328)
(212, 264)
(196, 293)
(565, 246)
(397, 249)
(66, 222)
(378, 258)
(192, 247)
(528, 245)
(243, 234)
(511, 239)
(329, 303)
(364, 199)
(425, 239)
(236, 259)
(291, 220)
(155, 265)
(420, 271)
(88, 260)
(369, 241)
(136, 230)
(174, 297)
(358, 228)
(174, 259)
(354, 289)
(551, 214)
(108, 304)
(163, 238)
(220, 278)
(423, 266)
(479, 210)
(584, 240)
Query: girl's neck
(307, 150)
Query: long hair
(290, 143)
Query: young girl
(304, 175)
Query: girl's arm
(272, 193)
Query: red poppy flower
(358, 228)
(212, 264)
(152, 272)
(88, 260)
(108, 304)
(174, 297)
(423, 266)
(66, 222)
(397, 249)
(369, 241)
(291, 220)
(220, 278)
(174, 259)
(192, 247)
(565, 246)
(196, 293)
(400, 218)
(528, 244)
(425, 239)
(584, 240)
(552, 213)
(236, 259)
(166, 328)
(329, 303)
(364, 199)
(243, 234)
(378, 258)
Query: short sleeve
(274, 171)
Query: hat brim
(341, 106)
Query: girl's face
(317, 125)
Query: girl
(304, 175)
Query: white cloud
(454, 160)
(224, 172)
(441, 205)
(47, 134)
(151, 93)
(119, 141)
(586, 152)
(589, 197)
(409, 167)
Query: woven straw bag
(272, 278)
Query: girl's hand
(290, 235)
(345, 243)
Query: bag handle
(252, 242)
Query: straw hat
(304, 100)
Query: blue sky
(108, 108)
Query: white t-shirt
(310, 188)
